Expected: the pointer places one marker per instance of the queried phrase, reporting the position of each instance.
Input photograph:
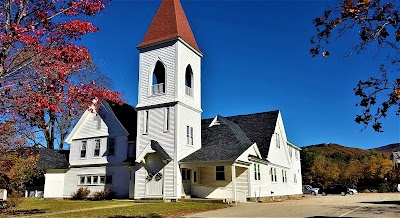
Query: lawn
(118, 208)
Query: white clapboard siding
(87, 130)
(187, 57)
(166, 139)
(54, 185)
(140, 183)
(121, 143)
(120, 176)
(169, 180)
(88, 127)
(192, 118)
(279, 156)
(147, 64)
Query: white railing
(203, 191)
(189, 91)
(158, 89)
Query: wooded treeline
(326, 164)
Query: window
(109, 179)
(96, 152)
(95, 180)
(290, 151)
(278, 141)
(296, 153)
(272, 172)
(295, 178)
(111, 146)
(166, 119)
(146, 122)
(102, 179)
(284, 176)
(194, 176)
(257, 174)
(83, 149)
(188, 174)
(219, 173)
(88, 180)
(189, 135)
(158, 77)
(183, 174)
(92, 179)
(98, 119)
(131, 150)
(189, 81)
(81, 180)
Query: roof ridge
(265, 112)
(170, 23)
(233, 125)
(176, 17)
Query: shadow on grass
(24, 212)
(382, 202)
(151, 215)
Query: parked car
(307, 189)
(335, 189)
(352, 191)
(398, 187)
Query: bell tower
(169, 102)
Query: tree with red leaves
(46, 79)
(378, 27)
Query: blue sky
(256, 58)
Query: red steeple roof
(169, 22)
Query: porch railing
(158, 89)
(203, 191)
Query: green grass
(60, 205)
(128, 209)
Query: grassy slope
(31, 206)
(149, 210)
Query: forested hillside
(388, 148)
(325, 164)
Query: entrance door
(154, 176)
(186, 180)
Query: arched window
(189, 81)
(158, 77)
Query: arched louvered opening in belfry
(189, 81)
(158, 77)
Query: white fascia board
(108, 107)
(294, 146)
(77, 126)
(146, 150)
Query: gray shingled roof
(126, 114)
(157, 147)
(258, 127)
(225, 141)
(53, 159)
(234, 136)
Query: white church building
(162, 149)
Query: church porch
(216, 180)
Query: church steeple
(169, 23)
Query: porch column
(233, 169)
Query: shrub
(81, 194)
(14, 200)
(383, 188)
(106, 194)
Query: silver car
(307, 189)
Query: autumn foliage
(46, 78)
(327, 164)
(376, 25)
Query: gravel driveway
(359, 205)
